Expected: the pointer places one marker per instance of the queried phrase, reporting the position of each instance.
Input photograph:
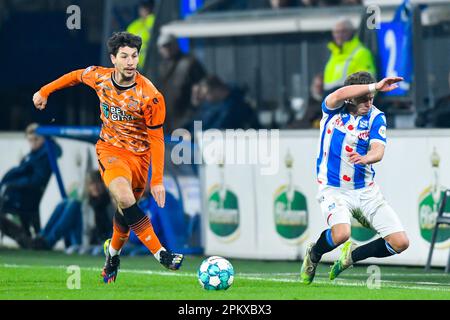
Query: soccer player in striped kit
(352, 138)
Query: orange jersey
(132, 116)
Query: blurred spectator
(142, 27)
(228, 5)
(83, 220)
(97, 230)
(308, 3)
(178, 72)
(311, 117)
(22, 188)
(320, 3)
(351, 2)
(440, 115)
(220, 106)
(348, 55)
(64, 223)
(277, 4)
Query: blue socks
(323, 245)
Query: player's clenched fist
(39, 101)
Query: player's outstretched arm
(348, 92)
(67, 80)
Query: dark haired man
(133, 113)
(352, 138)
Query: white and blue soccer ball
(216, 273)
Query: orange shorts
(118, 162)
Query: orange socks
(144, 231)
(119, 237)
(135, 218)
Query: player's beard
(126, 78)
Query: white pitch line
(162, 273)
(257, 274)
(421, 283)
(347, 283)
(364, 274)
(338, 282)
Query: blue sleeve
(14, 173)
(378, 129)
(37, 176)
(327, 110)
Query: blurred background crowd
(232, 64)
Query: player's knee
(340, 234)
(124, 197)
(399, 243)
(122, 193)
(341, 238)
(125, 201)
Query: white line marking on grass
(402, 274)
(363, 282)
(162, 273)
(337, 282)
(362, 275)
(351, 274)
(352, 283)
(421, 283)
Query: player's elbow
(340, 94)
(333, 100)
(377, 158)
(376, 153)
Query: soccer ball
(215, 273)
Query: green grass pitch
(44, 275)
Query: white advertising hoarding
(229, 217)
(283, 214)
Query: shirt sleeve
(89, 76)
(156, 112)
(154, 119)
(378, 130)
(327, 110)
(70, 79)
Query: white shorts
(338, 205)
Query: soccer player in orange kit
(132, 112)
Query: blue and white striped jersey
(342, 133)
